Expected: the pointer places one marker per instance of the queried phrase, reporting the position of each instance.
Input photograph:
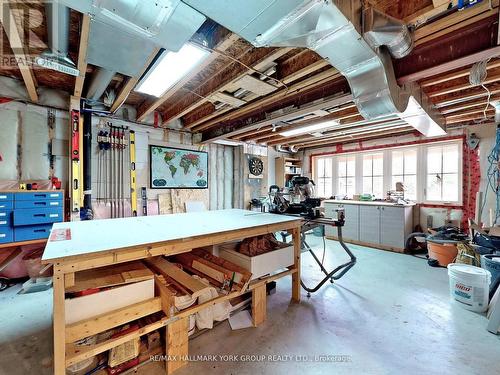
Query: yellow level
(133, 186)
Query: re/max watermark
(328, 358)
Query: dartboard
(256, 166)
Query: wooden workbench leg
(59, 325)
(296, 275)
(177, 344)
(259, 305)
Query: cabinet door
(350, 231)
(330, 212)
(392, 226)
(369, 224)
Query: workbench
(78, 246)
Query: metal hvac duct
(334, 30)
(99, 83)
(58, 23)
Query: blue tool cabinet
(29, 215)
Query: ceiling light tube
(170, 68)
(309, 128)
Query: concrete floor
(389, 315)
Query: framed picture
(175, 168)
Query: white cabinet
(350, 230)
(369, 224)
(381, 225)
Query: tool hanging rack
(114, 165)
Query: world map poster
(178, 168)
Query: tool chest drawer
(6, 205)
(6, 197)
(31, 216)
(5, 218)
(39, 196)
(34, 232)
(48, 203)
(6, 234)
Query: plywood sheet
(180, 197)
(89, 237)
(111, 276)
(165, 203)
(255, 85)
(35, 147)
(228, 99)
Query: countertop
(368, 203)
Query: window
(404, 169)
(346, 175)
(430, 172)
(323, 179)
(443, 173)
(373, 174)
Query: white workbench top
(368, 203)
(94, 236)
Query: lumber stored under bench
(79, 246)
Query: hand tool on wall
(133, 187)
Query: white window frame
(376, 152)
(387, 155)
(316, 177)
(417, 170)
(356, 173)
(423, 187)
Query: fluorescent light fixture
(170, 68)
(309, 129)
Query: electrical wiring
(493, 176)
(477, 76)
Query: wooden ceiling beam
(455, 22)
(464, 86)
(16, 43)
(474, 116)
(256, 58)
(375, 134)
(349, 124)
(450, 65)
(323, 77)
(454, 75)
(466, 105)
(340, 117)
(130, 84)
(228, 132)
(147, 107)
(477, 93)
(82, 55)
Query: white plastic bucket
(469, 286)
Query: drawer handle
(40, 230)
(3, 235)
(3, 197)
(3, 214)
(40, 195)
(3, 222)
(40, 203)
(39, 215)
(54, 195)
(54, 203)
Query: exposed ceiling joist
(302, 110)
(463, 86)
(450, 65)
(323, 77)
(16, 43)
(454, 75)
(266, 57)
(455, 21)
(148, 107)
(82, 55)
(131, 83)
